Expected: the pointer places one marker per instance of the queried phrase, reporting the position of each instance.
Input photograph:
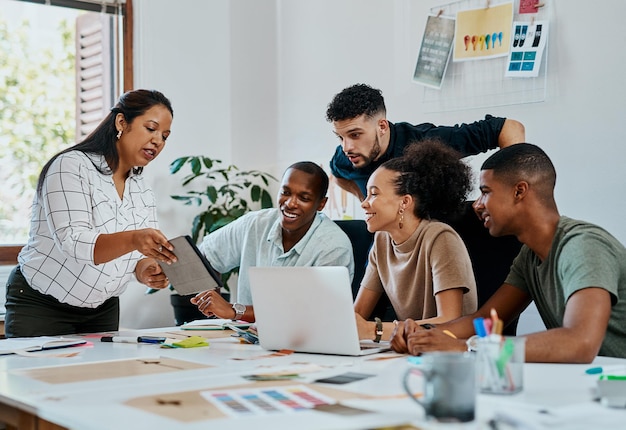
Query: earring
(401, 222)
(119, 134)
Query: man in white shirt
(294, 234)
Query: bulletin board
(482, 84)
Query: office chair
(491, 256)
(361, 239)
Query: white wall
(250, 82)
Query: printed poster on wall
(529, 41)
(483, 33)
(435, 50)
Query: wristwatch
(239, 310)
(379, 329)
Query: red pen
(488, 326)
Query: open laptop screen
(305, 309)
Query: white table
(99, 404)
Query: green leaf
(208, 162)
(208, 219)
(196, 166)
(236, 213)
(255, 193)
(211, 193)
(176, 165)
(196, 227)
(266, 200)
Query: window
(65, 63)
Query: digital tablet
(192, 272)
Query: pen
(488, 326)
(449, 333)
(244, 334)
(497, 328)
(119, 339)
(150, 339)
(131, 339)
(479, 327)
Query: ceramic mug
(449, 386)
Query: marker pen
(119, 339)
(131, 339)
(479, 327)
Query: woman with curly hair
(417, 259)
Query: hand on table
(420, 341)
(211, 303)
(410, 337)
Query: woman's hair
(103, 139)
(435, 176)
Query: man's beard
(373, 155)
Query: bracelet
(379, 329)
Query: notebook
(192, 272)
(307, 309)
(30, 344)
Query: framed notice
(435, 50)
(483, 33)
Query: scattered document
(30, 344)
(247, 402)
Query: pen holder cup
(448, 392)
(500, 364)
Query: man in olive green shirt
(573, 270)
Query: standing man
(368, 139)
(573, 270)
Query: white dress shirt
(78, 204)
(256, 239)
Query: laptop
(307, 309)
(192, 272)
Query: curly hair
(354, 101)
(434, 174)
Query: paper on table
(213, 324)
(11, 346)
(581, 416)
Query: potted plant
(224, 193)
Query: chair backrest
(362, 239)
(491, 256)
